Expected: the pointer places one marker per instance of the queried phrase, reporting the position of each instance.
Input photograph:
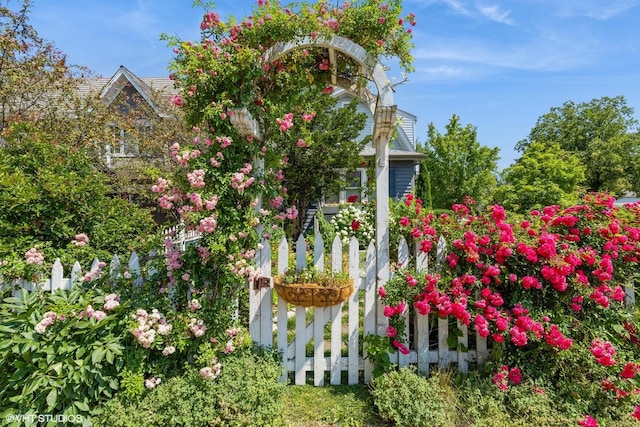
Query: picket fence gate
(336, 333)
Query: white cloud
(476, 10)
(594, 9)
(495, 13)
(442, 72)
(546, 52)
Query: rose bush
(547, 291)
(70, 350)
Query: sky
(497, 64)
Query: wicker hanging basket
(311, 294)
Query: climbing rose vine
(230, 186)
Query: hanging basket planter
(314, 294)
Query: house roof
(110, 88)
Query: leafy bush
(72, 349)
(408, 399)
(246, 393)
(547, 292)
(50, 194)
(60, 356)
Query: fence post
(370, 298)
(335, 316)
(353, 319)
(283, 262)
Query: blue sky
(497, 64)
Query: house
(404, 159)
(125, 90)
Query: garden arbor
(379, 98)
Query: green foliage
(247, 393)
(602, 133)
(378, 349)
(327, 231)
(50, 194)
(313, 275)
(65, 368)
(423, 188)
(408, 399)
(459, 165)
(70, 350)
(330, 145)
(545, 175)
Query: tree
(331, 145)
(39, 87)
(458, 165)
(545, 175)
(50, 193)
(602, 134)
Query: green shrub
(247, 393)
(54, 357)
(51, 193)
(407, 399)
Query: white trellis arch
(382, 107)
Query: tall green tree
(602, 133)
(458, 166)
(331, 144)
(544, 175)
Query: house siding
(408, 124)
(401, 178)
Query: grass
(339, 405)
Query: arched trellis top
(373, 70)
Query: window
(124, 144)
(356, 186)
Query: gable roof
(109, 89)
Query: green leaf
(452, 341)
(57, 368)
(82, 406)
(4, 328)
(81, 351)
(52, 399)
(97, 355)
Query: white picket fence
(324, 343)
(56, 279)
(336, 333)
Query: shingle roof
(109, 88)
